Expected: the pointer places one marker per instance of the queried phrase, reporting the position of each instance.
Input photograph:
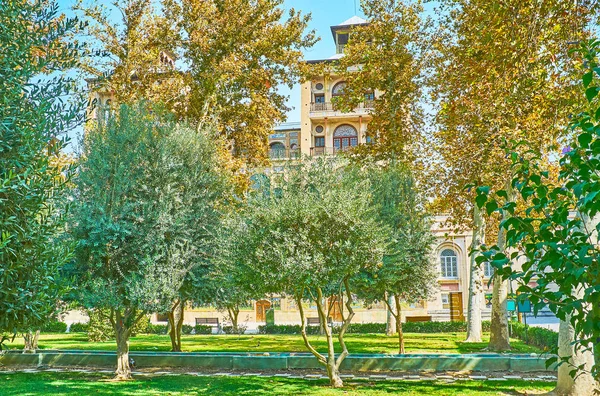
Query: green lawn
(87, 384)
(357, 343)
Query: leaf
(584, 139)
(591, 93)
(480, 200)
(587, 78)
(490, 207)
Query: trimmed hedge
(202, 329)
(54, 327)
(186, 329)
(286, 329)
(229, 329)
(536, 336)
(79, 328)
(376, 328)
(157, 329)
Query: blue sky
(325, 13)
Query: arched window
(338, 89)
(277, 150)
(345, 136)
(449, 263)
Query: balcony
(329, 107)
(319, 151)
(280, 154)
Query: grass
(357, 343)
(24, 384)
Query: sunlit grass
(357, 343)
(77, 384)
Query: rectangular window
(488, 270)
(369, 96)
(343, 38)
(319, 98)
(320, 141)
(445, 301)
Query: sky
(325, 13)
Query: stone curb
(310, 377)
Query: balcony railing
(328, 106)
(279, 154)
(317, 151)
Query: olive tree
(142, 185)
(307, 237)
(34, 116)
(408, 273)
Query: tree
(143, 182)
(556, 235)
(503, 73)
(238, 53)
(34, 116)
(387, 57)
(135, 57)
(407, 273)
(307, 238)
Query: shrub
(79, 328)
(202, 329)
(186, 329)
(229, 329)
(54, 326)
(364, 328)
(157, 329)
(536, 336)
(376, 328)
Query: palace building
(323, 130)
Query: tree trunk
(499, 337)
(330, 362)
(476, 280)
(122, 332)
(391, 326)
(566, 385)
(234, 313)
(398, 318)
(175, 325)
(31, 341)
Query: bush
(376, 328)
(363, 328)
(202, 329)
(186, 329)
(536, 336)
(157, 329)
(54, 326)
(79, 328)
(229, 329)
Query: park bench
(213, 322)
(424, 318)
(313, 322)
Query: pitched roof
(355, 20)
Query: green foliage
(202, 329)
(54, 326)
(408, 269)
(376, 328)
(241, 329)
(157, 329)
(79, 328)
(187, 329)
(148, 196)
(538, 336)
(286, 329)
(34, 117)
(554, 235)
